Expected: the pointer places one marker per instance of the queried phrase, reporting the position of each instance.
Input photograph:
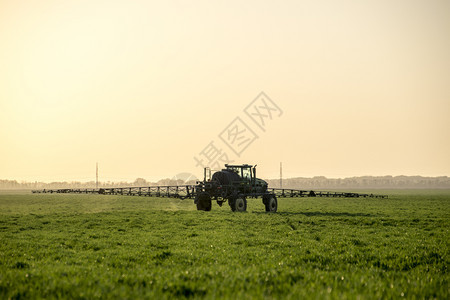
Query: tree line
(37, 185)
(370, 182)
(318, 182)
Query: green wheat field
(101, 246)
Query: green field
(98, 246)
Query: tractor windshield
(235, 170)
(246, 174)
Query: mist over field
(365, 182)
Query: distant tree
(140, 182)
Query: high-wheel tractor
(234, 184)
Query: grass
(98, 246)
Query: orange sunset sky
(143, 87)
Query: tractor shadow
(320, 214)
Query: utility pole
(96, 175)
(281, 175)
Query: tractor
(234, 184)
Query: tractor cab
(246, 177)
(244, 172)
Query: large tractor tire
(271, 203)
(203, 201)
(231, 202)
(238, 204)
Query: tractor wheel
(203, 201)
(239, 204)
(271, 204)
(231, 203)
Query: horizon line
(167, 178)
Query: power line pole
(281, 175)
(96, 175)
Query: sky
(152, 89)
